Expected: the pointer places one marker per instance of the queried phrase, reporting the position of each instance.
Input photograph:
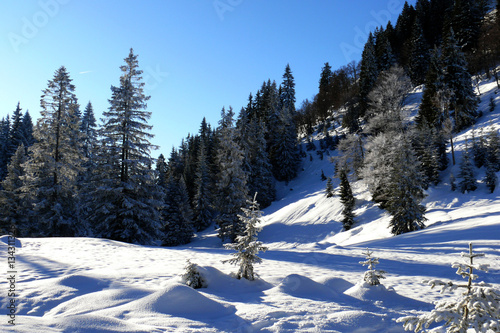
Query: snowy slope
(308, 279)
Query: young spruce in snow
(192, 276)
(478, 308)
(247, 246)
(372, 276)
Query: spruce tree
(347, 199)
(202, 204)
(16, 131)
(125, 200)
(324, 97)
(493, 149)
(468, 182)
(88, 127)
(372, 276)
(405, 191)
(419, 55)
(491, 178)
(329, 191)
(14, 207)
(4, 146)
(56, 161)
(369, 73)
(27, 131)
(287, 97)
(463, 99)
(177, 214)
(246, 245)
(231, 184)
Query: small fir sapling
(329, 191)
(372, 276)
(246, 245)
(192, 276)
(323, 177)
(477, 308)
(453, 183)
(492, 104)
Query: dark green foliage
(463, 100)
(192, 276)
(348, 200)
(468, 182)
(329, 191)
(491, 178)
(419, 55)
(368, 75)
(493, 149)
(325, 95)
(453, 184)
(479, 149)
(177, 214)
(430, 112)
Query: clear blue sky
(197, 55)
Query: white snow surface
(310, 279)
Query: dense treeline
(69, 176)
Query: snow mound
(380, 295)
(4, 240)
(338, 285)
(303, 287)
(180, 300)
(358, 322)
(84, 284)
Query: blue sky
(197, 55)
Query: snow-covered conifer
(231, 183)
(493, 149)
(56, 161)
(125, 200)
(246, 245)
(202, 204)
(348, 200)
(468, 182)
(192, 276)
(477, 308)
(491, 178)
(177, 214)
(329, 191)
(372, 276)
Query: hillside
(308, 278)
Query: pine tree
(246, 245)
(177, 214)
(56, 161)
(372, 276)
(27, 131)
(493, 149)
(16, 131)
(192, 276)
(419, 55)
(431, 110)
(14, 208)
(329, 191)
(4, 146)
(287, 96)
(203, 212)
(477, 308)
(125, 200)
(347, 199)
(463, 100)
(369, 73)
(231, 184)
(260, 178)
(284, 155)
(324, 97)
(479, 148)
(491, 178)
(406, 193)
(88, 127)
(468, 182)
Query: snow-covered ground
(308, 280)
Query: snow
(310, 279)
